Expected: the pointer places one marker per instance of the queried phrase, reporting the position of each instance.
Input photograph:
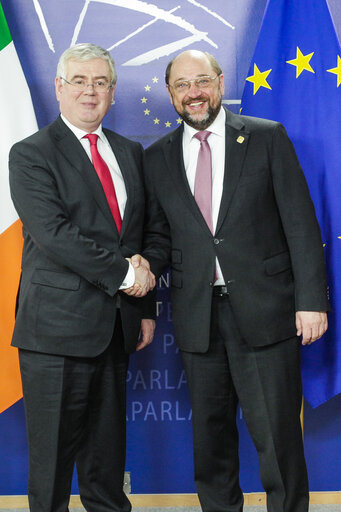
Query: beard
(206, 121)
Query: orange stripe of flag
(10, 257)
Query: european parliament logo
(142, 16)
(142, 37)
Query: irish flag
(17, 120)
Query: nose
(90, 91)
(194, 90)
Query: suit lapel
(73, 151)
(236, 141)
(127, 166)
(174, 158)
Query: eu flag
(294, 78)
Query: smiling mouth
(195, 104)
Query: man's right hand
(144, 278)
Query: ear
(113, 93)
(222, 84)
(170, 94)
(59, 86)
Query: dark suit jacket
(73, 257)
(267, 238)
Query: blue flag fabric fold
(295, 78)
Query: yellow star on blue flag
(301, 62)
(337, 70)
(259, 78)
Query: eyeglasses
(201, 83)
(81, 85)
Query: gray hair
(84, 52)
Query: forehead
(188, 66)
(94, 67)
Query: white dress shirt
(191, 147)
(108, 156)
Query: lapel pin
(240, 139)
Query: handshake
(144, 278)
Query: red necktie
(203, 178)
(105, 178)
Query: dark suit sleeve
(300, 225)
(149, 305)
(36, 197)
(157, 238)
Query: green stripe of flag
(5, 35)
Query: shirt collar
(81, 133)
(217, 127)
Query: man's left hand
(146, 333)
(311, 325)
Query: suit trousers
(75, 413)
(267, 383)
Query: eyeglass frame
(87, 85)
(188, 82)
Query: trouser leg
(101, 460)
(215, 435)
(75, 411)
(55, 395)
(268, 384)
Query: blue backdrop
(143, 36)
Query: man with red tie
(82, 306)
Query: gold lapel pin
(240, 139)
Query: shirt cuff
(129, 279)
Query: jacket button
(216, 241)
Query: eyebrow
(95, 78)
(197, 76)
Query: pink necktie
(203, 178)
(105, 177)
